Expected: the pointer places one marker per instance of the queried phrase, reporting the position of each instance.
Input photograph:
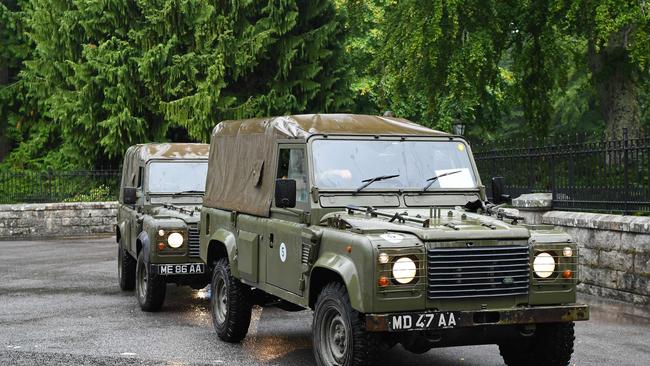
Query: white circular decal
(393, 238)
(283, 252)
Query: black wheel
(230, 304)
(551, 345)
(339, 335)
(125, 269)
(150, 290)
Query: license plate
(423, 321)
(178, 269)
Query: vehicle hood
(453, 224)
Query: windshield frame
(370, 189)
(145, 179)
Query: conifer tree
(114, 73)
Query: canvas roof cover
(242, 152)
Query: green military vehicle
(157, 227)
(382, 227)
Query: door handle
(270, 240)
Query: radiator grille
(193, 240)
(477, 272)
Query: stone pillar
(533, 206)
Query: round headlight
(175, 240)
(383, 258)
(404, 270)
(544, 265)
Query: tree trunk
(615, 80)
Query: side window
(291, 165)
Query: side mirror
(498, 187)
(129, 195)
(285, 193)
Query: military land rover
(382, 227)
(157, 227)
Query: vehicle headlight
(544, 265)
(404, 270)
(175, 240)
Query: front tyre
(551, 345)
(150, 289)
(230, 304)
(125, 269)
(339, 331)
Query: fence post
(626, 191)
(553, 183)
(530, 164)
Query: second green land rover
(157, 228)
(383, 228)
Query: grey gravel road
(60, 304)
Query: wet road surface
(60, 304)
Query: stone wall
(614, 250)
(57, 219)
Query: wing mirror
(498, 188)
(285, 193)
(129, 195)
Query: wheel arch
(222, 244)
(332, 267)
(143, 243)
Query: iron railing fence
(59, 186)
(583, 172)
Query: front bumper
(479, 318)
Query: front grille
(193, 244)
(477, 272)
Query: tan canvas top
(305, 125)
(172, 151)
(242, 153)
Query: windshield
(177, 177)
(345, 164)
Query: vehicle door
(129, 213)
(284, 247)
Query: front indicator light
(383, 281)
(544, 265)
(383, 258)
(567, 252)
(567, 274)
(175, 240)
(404, 270)
(161, 246)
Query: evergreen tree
(113, 73)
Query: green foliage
(106, 75)
(97, 194)
(86, 79)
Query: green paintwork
(141, 222)
(324, 241)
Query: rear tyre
(125, 269)
(230, 304)
(150, 289)
(551, 345)
(339, 333)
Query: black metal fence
(59, 186)
(584, 172)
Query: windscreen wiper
(367, 182)
(435, 178)
(187, 192)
